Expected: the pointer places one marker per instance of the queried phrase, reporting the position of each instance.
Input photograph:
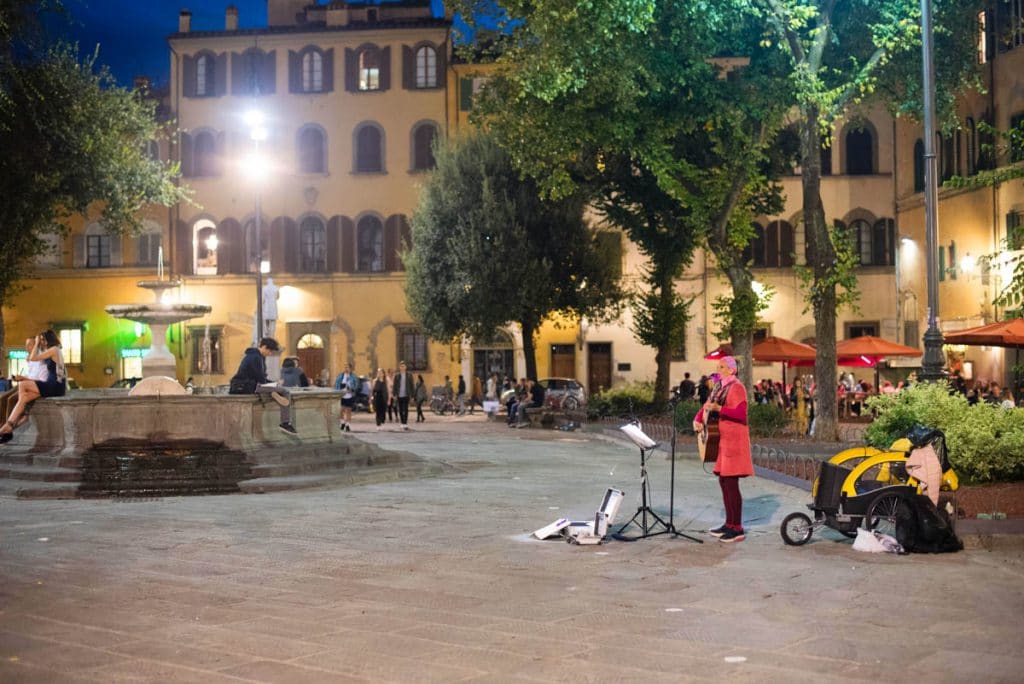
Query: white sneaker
(405, 427)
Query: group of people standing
(44, 376)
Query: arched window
(949, 150)
(312, 72)
(426, 67)
(369, 149)
(771, 246)
(422, 147)
(972, 146)
(310, 341)
(204, 75)
(370, 245)
(204, 244)
(860, 152)
(312, 246)
(875, 244)
(312, 150)
(369, 69)
(919, 165)
(148, 244)
(204, 155)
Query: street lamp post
(255, 168)
(932, 363)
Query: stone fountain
(159, 369)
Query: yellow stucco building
(351, 96)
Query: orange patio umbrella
(773, 349)
(998, 334)
(874, 347)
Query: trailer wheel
(796, 529)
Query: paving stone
(437, 580)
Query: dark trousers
(403, 410)
(733, 501)
(420, 418)
(380, 407)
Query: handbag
(242, 386)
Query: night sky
(132, 34)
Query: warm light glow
(255, 120)
(265, 266)
(255, 167)
(758, 288)
(211, 243)
(967, 263)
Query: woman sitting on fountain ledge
(251, 378)
(46, 349)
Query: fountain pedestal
(159, 362)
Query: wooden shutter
(405, 238)
(186, 155)
(334, 244)
(268, 73)
(465, 94)
(239, 86)
(391, 244)
(442, 64)
(348, 245)
(188, 76)
(328, 70)
(182, 249)
(78, 251)
(408, 68)
(291, 247)
(220, 74)
(116, 258)
(294, 72)
(385, 68)
(351, 70)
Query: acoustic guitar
(707, 438)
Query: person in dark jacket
(420, 394)
(251, 378)
(292, 374)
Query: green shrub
(985, 442)
(635, 398)
(686, 411)
(766, 420)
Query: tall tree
(487, 251)
(625, 99)
(72, 143)
(839, 54)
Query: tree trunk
(663, 357)
(742, 336)
(529, 329)
(823, 297)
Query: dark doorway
(310, 351)
(599, 366)
(563, 361)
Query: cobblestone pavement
(436, 580)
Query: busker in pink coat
(729, 399)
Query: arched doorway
(496, 355)
(310, 351)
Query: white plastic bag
(875, 542)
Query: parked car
(564, 393)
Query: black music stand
(640, 518)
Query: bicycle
(443, 406)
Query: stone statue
(270, 297)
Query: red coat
(734, 435)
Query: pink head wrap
(729, 361)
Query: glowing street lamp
(256, 169)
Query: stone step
(337, 478)
(314, 464)
(25, 489)
(42, 474)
